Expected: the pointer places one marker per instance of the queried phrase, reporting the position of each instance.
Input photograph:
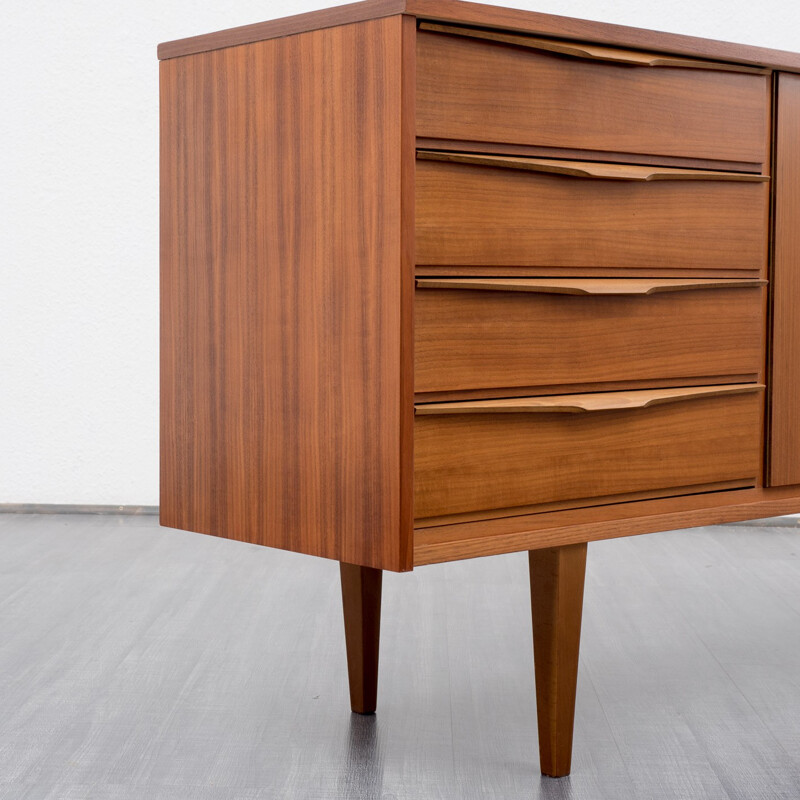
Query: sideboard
(442, 280)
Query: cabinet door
(784, 460)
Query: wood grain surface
(628, 498)
(632, 287)
(478, 337)
(583, 388)
(585, 169)
(361, 604)
(588, 50)
(582, 403)
(285, 26)
(784, 437)
(557, 577)
(470, 462)
(281, 290)
(487, 271)
(408, 88)
(489, 16)
(490, 92)
(589, 523)
(605, 156)
(476, 215)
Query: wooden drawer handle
(593, 52)
(587, 169)
(578, 403)
(588, 286)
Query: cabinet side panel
(281, 286)
(784, 459)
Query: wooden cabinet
(442, 280)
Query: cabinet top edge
(488, 16)
(284, 26)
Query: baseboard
(788, 520)
(785, 521)
(59, 508)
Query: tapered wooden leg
(361, 600)
(557, 577)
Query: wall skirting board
(60, 508)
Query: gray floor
(146, 663)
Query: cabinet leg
(557, 578)
(361, 600)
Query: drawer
(501, 454)
(481, 333)
(529, 91)
(521, 212)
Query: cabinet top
(487, 16)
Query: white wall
(79, 223)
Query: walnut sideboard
(443, 280)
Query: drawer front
(484, 91)
(474, 461)
(532, 334)
(470, 214)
